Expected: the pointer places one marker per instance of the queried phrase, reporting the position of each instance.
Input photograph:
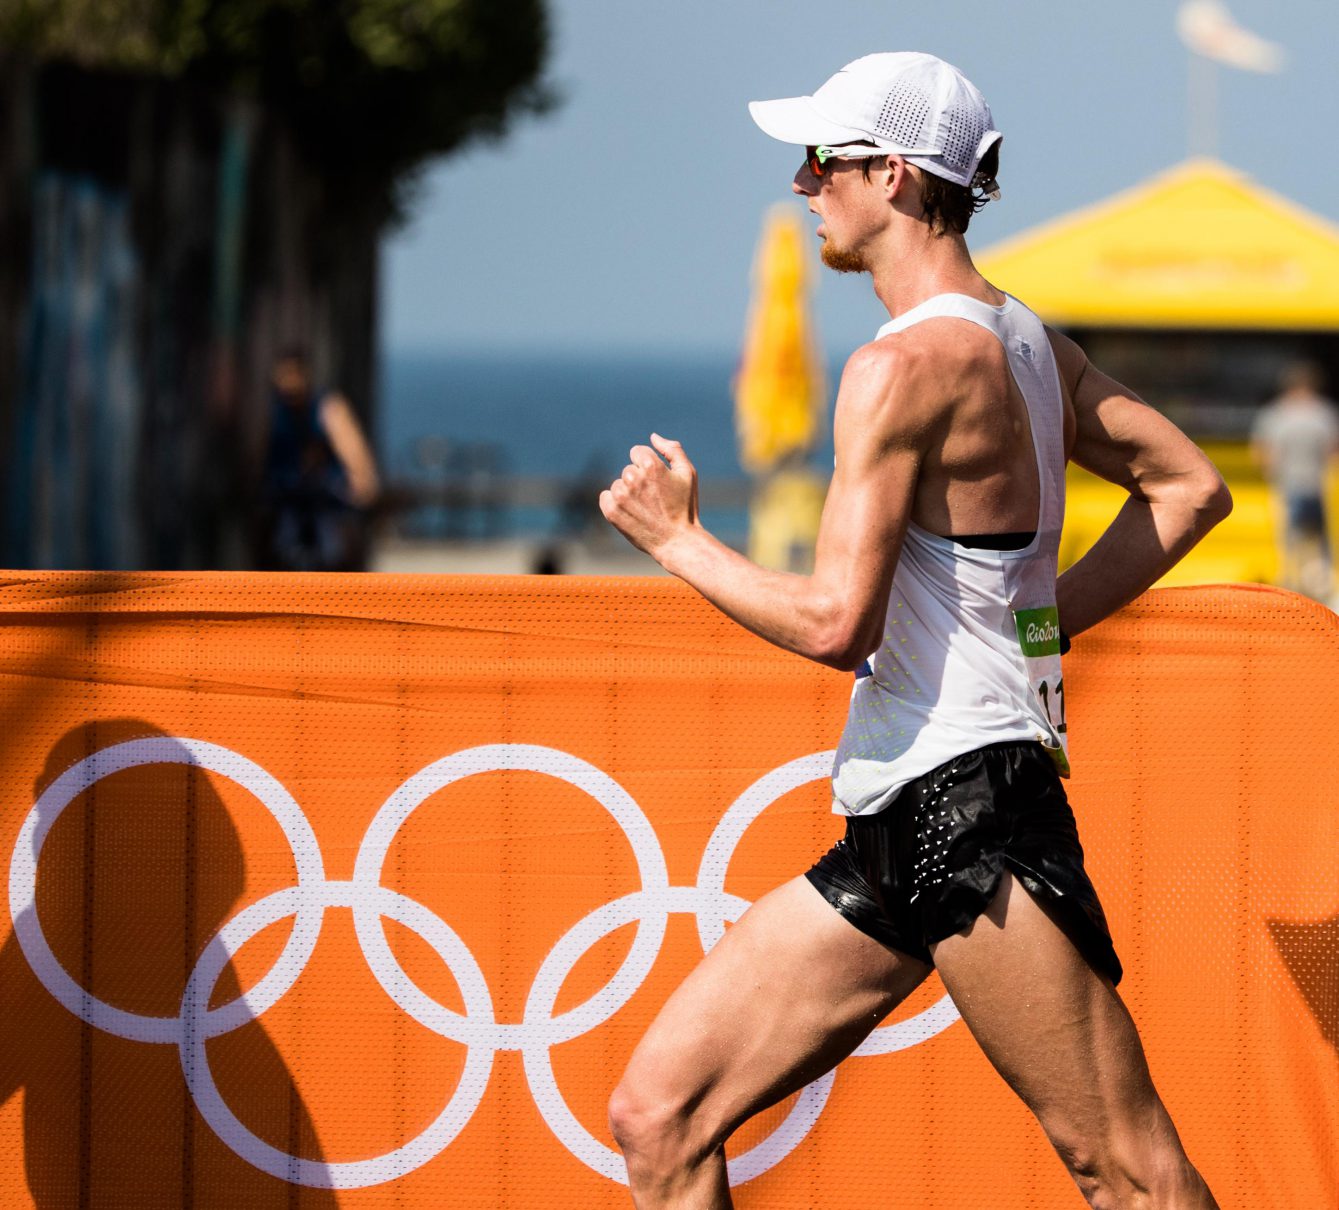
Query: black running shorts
(930, 862)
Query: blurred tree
(243, 157)
(370, 88)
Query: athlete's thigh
(785, 995)
(1054, 1028)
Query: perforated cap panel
(963, 130)
(905, 113)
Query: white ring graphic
(160, 750)
(323, 1174)
(711, 877)
(526, 758)
(478, 1030)
(539, 1064)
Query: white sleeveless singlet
(971, 645)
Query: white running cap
(905, 102)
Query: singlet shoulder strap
(951, 306)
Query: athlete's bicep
(879, 443)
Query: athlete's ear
(895, 176)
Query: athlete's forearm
(1145, 541)
(793, 612)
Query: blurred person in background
(1295, 440)
(320, 476)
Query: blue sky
(626, 220)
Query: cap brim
(795, 120)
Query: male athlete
(935, 580)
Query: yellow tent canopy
(1199, 246)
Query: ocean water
(569, 416)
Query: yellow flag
(779, 390)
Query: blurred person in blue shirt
(320, 476)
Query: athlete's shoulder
(887, 358)
(1070, 359)
(891, 385)
(931, 352)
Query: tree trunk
(159, 263)
(17, 153)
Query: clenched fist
(655, 498)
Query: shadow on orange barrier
(138, 870)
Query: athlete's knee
(631, 1119)
(656, 1126)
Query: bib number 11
(1039, 637)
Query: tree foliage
(370, 88)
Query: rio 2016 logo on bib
(1039, 637)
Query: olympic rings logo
(370, 901)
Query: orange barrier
(508, 813)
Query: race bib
(1039, 637)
